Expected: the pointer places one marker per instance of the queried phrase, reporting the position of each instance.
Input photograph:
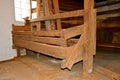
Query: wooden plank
(56, 7)
(108, 73)
(48, 33)
(48, 40)
(73, 31)
(60, 15)
(54, 51)
(20, 28)
(56, 33)
(87, 56)
(105, 16)
(108, 7)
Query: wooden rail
(60, 15)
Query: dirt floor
(32, 67)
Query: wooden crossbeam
(47, 40)
(60, 15)
(54, 51)
(73, 31)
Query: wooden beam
(72, 32)
(47, 13)
(56, 33)
(108, 7)
(87, 56)
(54, 51)
(56, 7)
(60, 15)
(48, 40)
(105, 16)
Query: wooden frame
(53, 40)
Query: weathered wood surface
(60, 15)
(48, 40)
(87, 56)
(55, 51)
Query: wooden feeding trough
(54, 41)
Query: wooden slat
(48, 40)
(20, 28)
(108, 7)
(60, 15)
(48, 33)
(105, 16)
(55, 51)
(40, 33)
(72, 32)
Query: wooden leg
(18, 52)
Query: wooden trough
(54, 41)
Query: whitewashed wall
(6, 19)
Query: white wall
(6, 19)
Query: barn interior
(24, 64)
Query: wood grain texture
(54, 51)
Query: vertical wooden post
(87, 56)
(93, 32)
(47, 12)
(30, 9)
(38, 14)
(56, 7)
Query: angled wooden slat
(48, 40)
(56, 33)
(108, 7)
(54, 51)
(73, 31)
(60, 15)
